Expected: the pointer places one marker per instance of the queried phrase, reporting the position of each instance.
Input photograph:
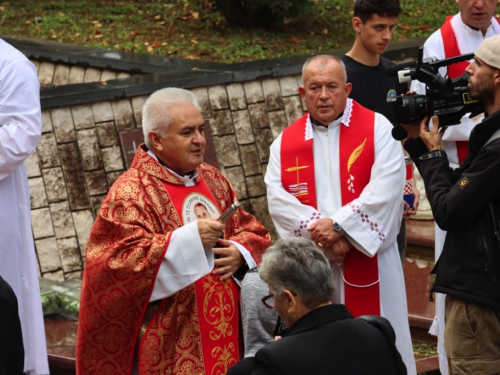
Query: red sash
(217, 302)
(454, 70)
(357, 155)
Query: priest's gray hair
(295, 264)
(324, 60)
(157, 111)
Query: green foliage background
(196, 29)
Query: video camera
(447, 98)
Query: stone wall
(79, 156)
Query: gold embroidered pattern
(226, 358)
(222, 311)
(352, 159)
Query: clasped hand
(322, 233)
(230, 257)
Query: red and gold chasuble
(454, 71)
(216, 301)
(356, 156)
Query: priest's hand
(230, 260)
(210, 231)
(341, 247)
(323, 234)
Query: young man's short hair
(364, 9)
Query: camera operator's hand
(433, 138)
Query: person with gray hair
(158, 284)
(323, 337)
(335, 176)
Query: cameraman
(466, 203)
(460, 34)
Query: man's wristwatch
(337, 228)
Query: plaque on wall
(131, 139)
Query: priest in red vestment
(158, 293)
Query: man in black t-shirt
(374, 22)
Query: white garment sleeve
(372, 221)
(289, 215)
(20, 116)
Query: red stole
(357, 155)
(217, 302)
(454, 70)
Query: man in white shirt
(460, 34)
(335, 176)
(20, 132)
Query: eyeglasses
(267, 298)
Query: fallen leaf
(192, 57)
(325, 31)
(28, 22)
(171, 31)
(195, 15)
(134, 32)
(208, 5)
(157, 17)
(156, 43)
(149, 48)
(97, 32)
(407, 28)
(103, 82)
(194, 41)
(294, 40)
(423, 28)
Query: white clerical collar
(187, 180)
(475, 33)
(344, 119)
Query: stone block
(83, 223)
(41, 223)
(74, 275)
(258, 115)
(222, 123)
(107, 75)
(289, 86)
(237, 178)
(236, 95)
(55, 275)
(112, 177)
(249, 159)
(124, 116)
(76, 75)
(63, 124)
(256, 186)
(102, 112)
(227, 151)
(89, 149)
(201, 94)
(48, 255)
(264, 170)
(38, 197)
(246, 205)
(74, 176)
(298, 77)
(123, 75)
(70, 254)
(218, 97)
(293, 108)
(32, 165)
(36, 64)
(95, 203)
(106, 134)
(112, 158)
(272, 94)
(137, 104)
(263, 140)
(61, 75)
(54, 184)
(83, 117)
(46, 73)
(243, 127)
(92, 75)
(277, 121)
(261, 212)
(303, 104)
(46, 122)
(96, 182)
(47, 151)
(253, 91)
(62, 219)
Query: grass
(194, 29)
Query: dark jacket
(328, 341)
(469, 264)
(11, 337)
